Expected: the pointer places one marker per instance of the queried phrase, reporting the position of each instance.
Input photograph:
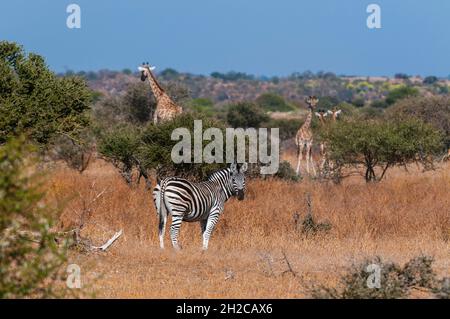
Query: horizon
(261, 38)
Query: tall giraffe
(166, 108)
(304, 137)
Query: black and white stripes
(197, 202)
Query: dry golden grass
(400, 218)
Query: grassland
(406, 215)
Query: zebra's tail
(158, 198)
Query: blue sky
(261, 37)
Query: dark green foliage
(327, 102)
(155, 148)
(201, 106)
(30, 260)
(245, 115)
(232, 76)
(430, 80)
(271, 102)
(119, 145)
(401, 93)
(287, 127)
(396, 281)
(434, 110)
(286, 172)
(150, 148)
(37, 103)
(358, 102)
(402, 76)
(138, 103)
(380, 145)
(379, 104)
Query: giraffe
(166, 108)
(304, 137)
(321, 115)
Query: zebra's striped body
(196, 202)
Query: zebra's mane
(218, 174)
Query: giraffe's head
(312, 101)
(145, 70)
(334, 113)
(321, 114)
(238, 179)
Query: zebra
(197, 202)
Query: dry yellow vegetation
(404, 216)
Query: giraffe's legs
(299, 156)
(309, 158)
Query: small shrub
(286, 172)
(395, 281)
(31, 263)
(246, 114)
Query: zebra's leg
(210, 224)
(175, 229)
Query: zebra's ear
(244, 167)
(233, 167)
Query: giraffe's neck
(307, 123)
(154, 86)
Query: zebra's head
(238, 179)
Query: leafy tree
(379, 104)
(358, 102)
(430, 80)
(138, 103)
(272, 102)
(150, 148)
(119, 146)
(401, 76)
(246, 114)
(37, 103)
(399, 93)
(30, 260)
(202, 105)
(327, 102)
(380, 145)
(434, 110)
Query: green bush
(395, 281)
(37, 103)
(434, 110)
(119, 145)
(380, 145)
(149, 149)
(245, 115)
(272, 102)
(286, 172)
(30, 260)
(401, 92)
(154, 151)
(287, 127)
